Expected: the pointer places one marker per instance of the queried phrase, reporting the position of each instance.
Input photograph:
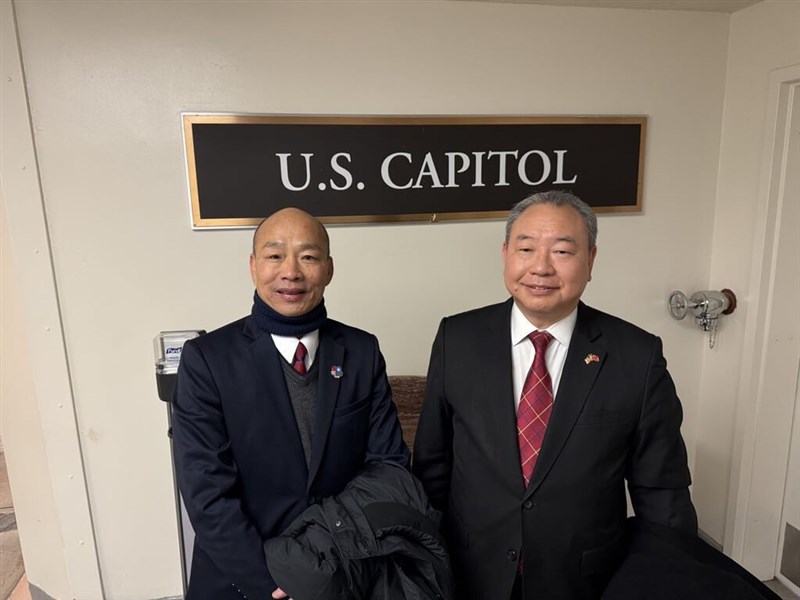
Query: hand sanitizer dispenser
(168, 346)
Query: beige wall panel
(23, 440)
(33, 283)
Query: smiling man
(274, 412)
(537, 412)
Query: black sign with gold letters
(371, 169)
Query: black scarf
(272, 321)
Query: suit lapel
(330, 353)
(273, 397)
(498, 395)
(577, 379)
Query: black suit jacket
(616, 418)
(239, 459)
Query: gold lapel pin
(590, 358)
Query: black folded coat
(664, 563)
(378, 539)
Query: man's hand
(279, 594)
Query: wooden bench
(408, 392)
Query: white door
(767, 489)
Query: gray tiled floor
(10, 554)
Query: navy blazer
(616, 417)
(239, 459)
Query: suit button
(528, 504)
(512, 555)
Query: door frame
(770, 358)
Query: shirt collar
(561, 330)
(287, 345)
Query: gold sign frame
(577, 130)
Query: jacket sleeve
(385, 434)
(433, 445)
(658, 472)
(209, 480)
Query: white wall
(763, 37)
(107, 83)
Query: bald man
(274, 412)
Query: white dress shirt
(522, 351)
(287, 346)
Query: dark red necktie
(535, 406)
(299, 363)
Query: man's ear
(253, 268)
(330, 270)
(592, 255)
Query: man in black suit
(274, 412)
(602, 405)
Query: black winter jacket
(377, 540)
(666, 563)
